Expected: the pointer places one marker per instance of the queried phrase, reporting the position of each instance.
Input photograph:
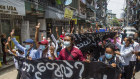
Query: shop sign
(75, 20)
(68, 13)
(13, 7)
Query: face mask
(62, 32)
(44, 38)
(67, 43)
(123, 43)
(27, 47)
(42, 47)
(108, 56)
(58, 41)
(49, 40)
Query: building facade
(132, 13)
(110, 17)
(11, 16)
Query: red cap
(44, 42)
(62, 37)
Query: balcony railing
(45, 3)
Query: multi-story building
(133, 13)
(11, 16)
(91, 13)
(101, 12)
(110, 16)
(50, 13)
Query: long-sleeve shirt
(125, 52)
(75, 53)
(34, 54)
(56, 44)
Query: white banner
(14, 7)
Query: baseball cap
(28, 41)
(44, 42)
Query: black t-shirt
(3, 40)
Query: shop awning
(54, 13)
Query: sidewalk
(137, 76)
(5, 67)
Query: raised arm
(56, 44)
(42, 36)
(57, 32)
(72, 30)
(20, 47)
(6, 49)
(82, 30)
(116, 43)
(10, 49)
(36, 35)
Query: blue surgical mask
(123, 43)
(67, 43)
(108, 56)
(27, 47)
(42, 47)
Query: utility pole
(127, 2)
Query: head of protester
(70, 52)
(111, 58)
(29, 43)
(43, 45)
(127, 41)
(68, 41)
(49, 39)
(63, 34)
(3, 35)
(136, 36)
(109, 51)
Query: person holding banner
(126, 52)
(29, 51)
(45, 47)
(138, 58)
(135, 46)
(70, 52)
(14, 52)
(111, 58)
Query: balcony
(46, 3)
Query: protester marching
(85, 55)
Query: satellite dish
(68, 2)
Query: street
(69, 39)
(12, 73)
(8, 73)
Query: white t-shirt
(135, 46)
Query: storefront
(34, 14)
(56, 18)
(11, 16)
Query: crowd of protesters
(121, 52)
